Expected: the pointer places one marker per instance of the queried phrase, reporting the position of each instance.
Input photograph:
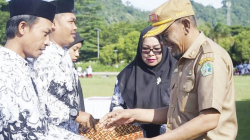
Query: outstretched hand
(117, 117)
(86, 120)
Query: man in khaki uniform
(202, 104)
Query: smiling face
(64, 28)
(174, 40)
(151, 51)
(36, 38)
(180, 36)
(74, 51)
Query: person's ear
(22, 28)
(186, 25)
(54, 25)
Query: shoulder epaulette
(206, 47)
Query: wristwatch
(73, 113)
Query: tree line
(234, 39)
(121, 33)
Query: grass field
(99, 86)
(242, 88)
(97, 67)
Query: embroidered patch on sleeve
(205, 60)
(206, 69)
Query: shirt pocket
(173, 87)
(187, 98)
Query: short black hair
(12, 24)
(58, 16)
(191, 18)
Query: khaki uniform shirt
(204, 80)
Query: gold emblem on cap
(156, 31)
(162, 22)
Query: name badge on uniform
(206, 69)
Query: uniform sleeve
(212, 77)
(8, 112)
(117, 101)
(56, 133)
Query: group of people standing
(242, 69)
(87, 73)
(179, 77)
(39, 86)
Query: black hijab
(78, 39)
(138, 81)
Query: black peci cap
(37, 8)
(64, 6)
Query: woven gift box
(122, 132)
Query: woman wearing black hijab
(145, 82)
(74, 51)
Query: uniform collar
(9, 55)
(193, 51)
(59, 49)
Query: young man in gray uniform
(54, 74)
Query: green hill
(240, 13)
(116, 11)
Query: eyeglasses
(148, 50)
